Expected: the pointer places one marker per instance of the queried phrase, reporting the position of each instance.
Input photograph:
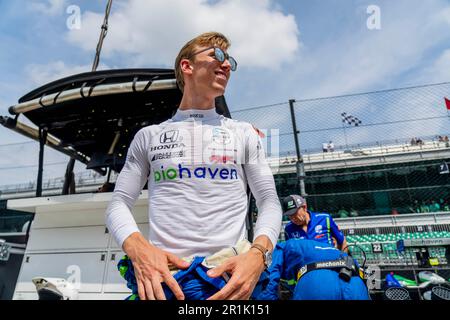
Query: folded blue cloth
(194, 281)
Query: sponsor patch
(171, 136)
(221, 159)
(331, 264)
(221, 136)
(318, 228)
(291, 204)
(297, 235)
(168, 155)
(196, 115)
(167, 146)
(180, 172)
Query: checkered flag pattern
(4, 251)
(350, 120)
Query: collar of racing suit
(195, 114)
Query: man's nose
(226, 64)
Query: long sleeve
(129, 184)
(261, 182)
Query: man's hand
(246, 269)
(151, 267)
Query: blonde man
(197, 191)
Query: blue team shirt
(291, 255)
(321, 228)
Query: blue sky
(285, 49)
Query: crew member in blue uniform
(305, 224)
(313, 272)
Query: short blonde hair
(205, 39)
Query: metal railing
(81, 179)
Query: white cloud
(150, 32)
(49, 7)
(40, 74)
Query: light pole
(300, 166)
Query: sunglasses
(220, 56)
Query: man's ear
(186, 66)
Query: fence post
(299, 164)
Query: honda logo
(169, 137)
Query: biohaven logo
(181, 172)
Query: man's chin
(219, 91)
(220, 85)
